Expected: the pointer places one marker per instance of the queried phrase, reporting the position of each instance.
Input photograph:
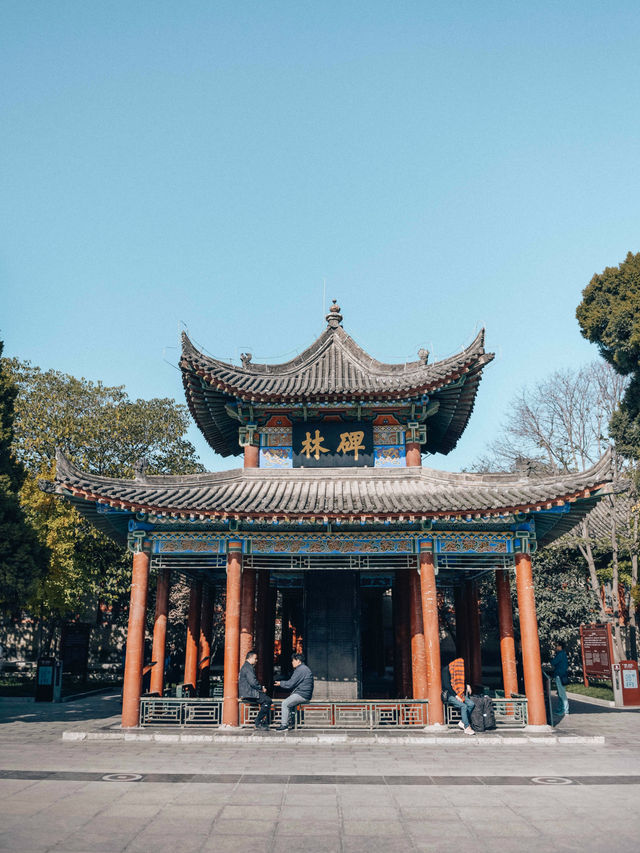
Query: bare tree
(561, 425)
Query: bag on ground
(476, 717)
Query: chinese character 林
(313, 446)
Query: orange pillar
(247, 612)
(160, 631)
(531, 662)
(414, 457)
(204, 645)
(232, 635)
(475, 649)
(402, 661)
(270, 634)
(505, 627)
(462, 633)
(418, 655)
(134, 659)
(431, 636)
(193, 634)
(262, 594)
(251, 456)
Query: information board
(596, 651)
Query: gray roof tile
(334, 367)
(344, 492)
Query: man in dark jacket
(250, 690)
(301, 686)
(560, 664)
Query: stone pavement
(128, 796)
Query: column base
(530, 729)
(435, 727)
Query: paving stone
(375, 828)
(249, 812)
(243, 827)
(184, 842)
(312, 811)
(367, 844)
(231, 844)
(303, 828)
(312, 844)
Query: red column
(431, 636)
(402, 659)
(475, 648)
(462, 634)
(193, 634)
(204, 645)
(531, 662)
(286, 646)
(251, 456)
(414, 457)
(418, 654)
(232, 636)
(505, 626)
(160, 631)
(262, 594)
(270, 634)
(247, 612)
(134, 659)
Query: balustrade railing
(510, 713)
(359, 714)
(159, 711)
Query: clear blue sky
(442, 165)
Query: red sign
(626, 680)
(597, 655)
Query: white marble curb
(320, 739)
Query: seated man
(250, 690)
(453, 683)
(301, 686)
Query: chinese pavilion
(331, 509)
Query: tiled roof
(336, 492)
(334, 368)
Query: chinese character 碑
(313, 446)
(351, 441)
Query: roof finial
(334, 317)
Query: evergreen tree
(609, 316)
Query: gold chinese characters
(350, 442)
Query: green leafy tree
(22, 558)
(102, 431)
(609, 316)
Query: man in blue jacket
(560, 664)
(301, 686)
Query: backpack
(482, 717)
(476, 717)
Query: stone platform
(119, 794)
